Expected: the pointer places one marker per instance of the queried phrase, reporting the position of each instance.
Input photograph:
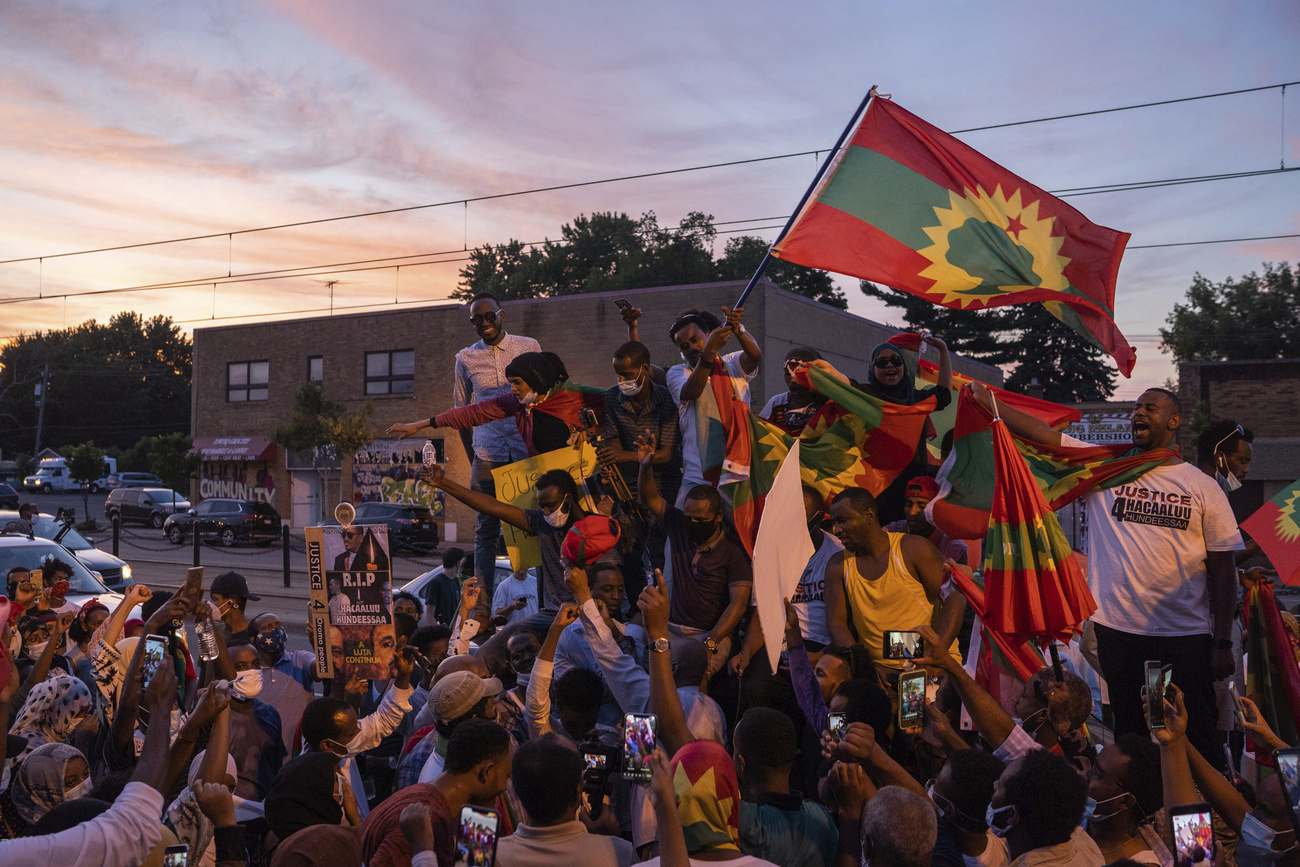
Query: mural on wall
(388, 471)
(236, 480)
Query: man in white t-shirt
(515, 598)
(1161, 568)
(701, 336)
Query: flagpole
(830, 157)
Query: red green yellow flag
(856, 440)
(1276, 527)
(910, 206)
(1272, 675)
(967, 478)
(1033, 586)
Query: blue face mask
(996, 825)
(1256, 847)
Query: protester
(635, 406)
(287, 675)
(230, 596)
(442, 593)
(792, 409)
(257, 745)
(918, 494)
(515, 599)
(408, 604)
(457, 698)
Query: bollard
(117, 531)
(194, 528)
(284, 544)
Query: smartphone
(638, 744)
(1238, 709)
(835, 725)
(476, 844)
(176, 856)
(622, 304)
(1158, 678)
(1288, 769)
(155, 652)
(911, 699)
(902, 645)
(193, 582)
(1191, 836)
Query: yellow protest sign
(515, 486)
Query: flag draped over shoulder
(1032, 584)
(855, 440)
(910, 206)
(1276, 527)
(966, 480)
(1272, 674)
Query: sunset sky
(125, 122)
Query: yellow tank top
(894, 601)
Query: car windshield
(32, 553)
(162, 495)
(47, 528)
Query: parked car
(228, 521)
(133, 480)
(114, 571)
(8, 497)
(149, 506)
(23, 550)
(409, 526)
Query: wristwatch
(711, 645)
(660, 645)
(1222, 644)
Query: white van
(53, 476)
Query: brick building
(245, 376)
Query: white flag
(781, 551)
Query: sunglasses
(489, 318)
(888, 361)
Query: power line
(619, 179)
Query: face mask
(1091, 805)
(990, 818)
(247, 684)
(1229, 483)
(339, 751)
(34, 651)
(815, 522)
(630, 387)
(523, 679)
(80, 790)
(1256, 846)
(560, 516)
(531, 398)
(701, 532)
(271, 643)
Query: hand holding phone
(476, 844)
(835, 723)
(638, 744)
(911, 699)
(1191, 834)
(902, 644)
(1157, 678)
(176, 856)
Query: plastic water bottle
(429, 454)
(206, 637)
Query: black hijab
(904, 392)
(303, 794)
(541, 370)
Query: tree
(113, 382)
(608, 252)
(1024, 337)
(172, 458)
(85, 465)
(1254, 317)
(325, 430)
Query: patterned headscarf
(51, 712)
(708, 796)
(190, 824)
(38, 785)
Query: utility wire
(619, 179)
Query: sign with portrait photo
(351, 609)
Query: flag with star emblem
(855, 440)
(910, 206)
(1276, 527)
(967, 477)
(1033, 587)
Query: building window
(246, 380)
(390, 372)
(315, 368)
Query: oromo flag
(1276, 527)
(910, 206)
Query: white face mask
(247, 685)
(1229, 483)
(80, 790)
(630, 387)
(34, 651)
(560, 516)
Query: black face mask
(701, 532)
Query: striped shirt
(480, 376)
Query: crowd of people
(617, 706)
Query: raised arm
(989, 717)
(699, 378)
(945, 363)
(837, 606)
(752, 354)
(513, 515)
(537, 701)
(647, 485)
(927, 565)
(664, 700)
(133, 596)
(1020, 423)
(41, 669)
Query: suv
(133, 480)
(8, 497)
(408, 526)
(20, 550)
(113, 571)
(144, 505)
(226, 520)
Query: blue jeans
(488, 528)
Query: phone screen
(622, 304)
(638, 744)
(176, 856)
(476, 844)
(595, 761)
(835, 725)
(1155, 682)
(1288, 769)
(911, 699)
(902, 645)
(1193, 837)
(155, 651)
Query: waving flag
(1272, 675)
(999, 663)
(855, 440)
(1276, 527)
(1063, 474)
(1033, 587)
(909, 206)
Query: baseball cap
(456, 694)
(232, 584)
(590, 539)
(928, 487)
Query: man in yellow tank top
(884, 581)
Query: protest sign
(515, 482)
(351, 608)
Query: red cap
(590, 539)
(929, 487)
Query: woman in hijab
(52, 712)
(51, 774)
(543, 401)
(80, 639)
(189, 823)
